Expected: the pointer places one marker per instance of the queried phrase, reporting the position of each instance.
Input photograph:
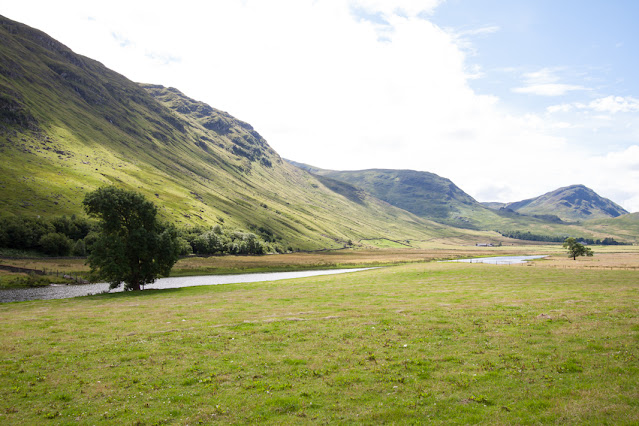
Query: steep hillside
(69, 125)
(570, 203)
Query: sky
(508, 99)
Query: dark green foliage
(23, 233)
(54, 237)
(131, 245)
(73, 227)
(217, 240)
(576, 249)
(79, 248)
(55, 244)
(245, 243)
(184, 247)
(528, 236)
(609, 241)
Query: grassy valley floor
(328, 259)
(424, 342)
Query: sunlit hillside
(70, 125)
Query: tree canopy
(576, 249)
(132, 246)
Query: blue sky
(509, 99)
(588, 44)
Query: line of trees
(59, 236)
(76, 236)
(528, 236)
(218, 240)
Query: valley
(413, 341)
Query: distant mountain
(433, 197)
(69, 125)
(422, 193)
(570, 203)
(494, 205)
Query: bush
(55, 244)
(23, 233)
(185, 247)
(74, 228)
(245, 243)
(79, 248)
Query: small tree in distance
(576, 249)
(132, 246)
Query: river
(498, 260)
(67, 291)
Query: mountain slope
(422, 193)
(433, 197)
(575, 202)
(69, 125)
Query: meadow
(552, 341)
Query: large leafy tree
(576, 249)
(132, 246)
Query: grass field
(445, 343)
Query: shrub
(79, 248)
(74, 228)
(23, 232)
(55, 244)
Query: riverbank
(228, 264)
(347, 258)
(56, 291)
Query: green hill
(69, 125)
(422, 193)
(626, 227)
(575, 202)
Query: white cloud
(545, 82)
(548, 89)
(617, 176)
(559, 108)
(610, 104)
(404, 7)
(543, 76)
(615, 104)
(331, 89)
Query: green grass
(19, 280)
(441, 343)
(385, 243)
